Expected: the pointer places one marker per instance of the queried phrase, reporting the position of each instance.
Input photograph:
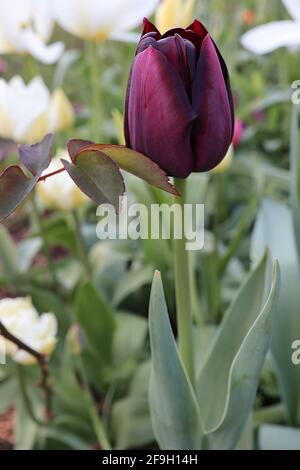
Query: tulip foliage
(213, 415)
(94, 168)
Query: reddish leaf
(37, 157)
(97, 176)
(128, 160)
(15, 186)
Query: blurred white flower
(29, 112)
(174, 13)
(59, 191)
(22, 320)
(98, 20)
(272, 36)
(26, 27)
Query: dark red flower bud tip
(149, 27)
(198, 27)
(179, 107)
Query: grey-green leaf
(174, 409)
(274, 228)
(228, 381)
(295, 172)
(279, 438)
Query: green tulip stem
(25, 397)
(40, 227)
(81, 246)
(183, 294)
(92, 49)
(96, 419)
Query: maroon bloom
(179, 107)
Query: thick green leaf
(68, 439)
(125, 344)
(131, 282)
(229, 379)
(295, 173)
(174, 409)
(97, 176)
(26, 430)
(279, 438)
(131, 422)
(8, 394)
(15, 186)
(133, 162)
(274, 228)
(97, 320)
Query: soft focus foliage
(64, 70)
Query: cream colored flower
(98, 20)
(23, 321)
(59, 191)
(226, 162)
(174, 13)
(29, 112)
(26, 27)
(271, 36)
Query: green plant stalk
(39, 224)
(242, 228)
(31, 66)
(183, 295)
(25, 397)
(81, 247)
(92, 49)
(93, 412)
(270, 415)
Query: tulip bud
(179, 107)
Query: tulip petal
(272, 36)
(199, 28)
(46, 54)
(157, 97)
(132, 13)
(182, 55)
(191, 36)
(150, 28)
(131, 38)
(213, 131)
(293, 7)
(42, 11)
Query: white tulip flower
(29, 112)
(174, 14)
(269, 37)
(22, 320)
(59, 191)
(26, 27)
(98, 20)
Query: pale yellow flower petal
(59, 191)
(61, 113)
(226, 163)
(174, 13)
(37, 130)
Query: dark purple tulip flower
(179, 107)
